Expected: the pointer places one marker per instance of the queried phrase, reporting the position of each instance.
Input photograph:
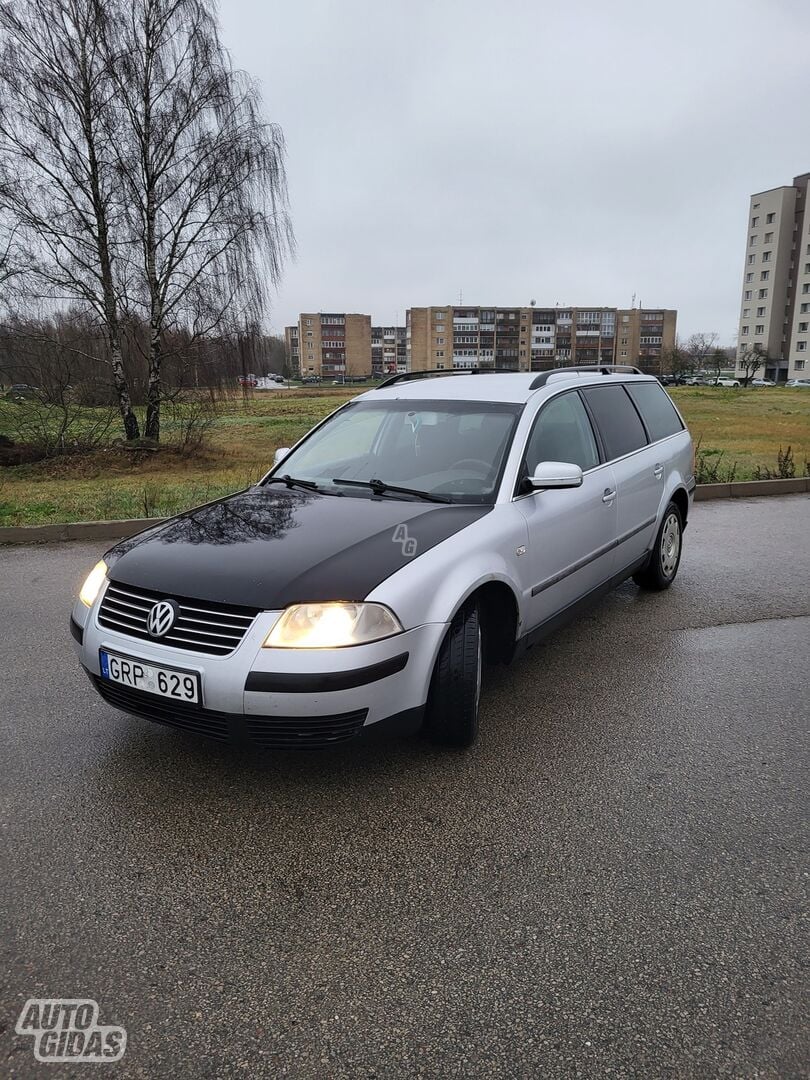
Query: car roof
(514, 387)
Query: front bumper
(276, 697)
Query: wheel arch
(500, 618)
(681, 500)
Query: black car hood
(268, 547)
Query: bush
(709, 466)
(785, 467)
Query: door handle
(659, 471)
(609, 496)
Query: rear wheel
(455, 688)
(665, 558)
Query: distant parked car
(248, 380)
(798, 384)
(21, 391)
(723, 382)
(762, 382)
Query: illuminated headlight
(92, 584)
(331, 626)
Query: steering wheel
(485, 465)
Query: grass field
(742, 426)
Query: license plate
(151, 678)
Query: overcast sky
(574, 152)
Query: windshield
(452, 448)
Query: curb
(118, 530)
(746, 489)
(75, 530)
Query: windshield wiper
(292, 481)
(379, 487)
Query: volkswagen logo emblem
(161, 618)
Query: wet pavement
(611, 882)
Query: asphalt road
(612, 882)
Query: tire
(455, 688)
(665, 557)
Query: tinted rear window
(622, 430)
(656, 409)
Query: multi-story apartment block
(292, 343)
(328, 345)
(535, 338)
(388, 352)
(775, 307)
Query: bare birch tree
(58, 178)
(203, 176)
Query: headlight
(92, 584)
(331, 626)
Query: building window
(759, 328)
(746, 312)
(768, 237)
(747, 294)
(440, 352)
(807, 268)
(752, 241)
(760, 311)
(756, 206)
(744, 331)
(766, 256)
(754, 222)
(800, 365)
(439, 316)
(751, 260)
(440, 341)
(763, 294)
(806, 288)
(804, 308)
(749, 277)
(764, 275)
(770, 218)
(309, 322)
(802, 327)
(623, 352)
(801, 346)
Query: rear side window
(562, 432)
(621, 429)
(656, 408)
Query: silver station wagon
(435, 523)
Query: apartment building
(388, 350)
(775, 306)
(328, 344)
(535, 338)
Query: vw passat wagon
(429, 525)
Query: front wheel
(665, 557)
(455, 688)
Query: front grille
(201, 627)
(267, 732)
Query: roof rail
(408, 376)
(576, 369)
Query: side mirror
(556, 474)
(280, 454)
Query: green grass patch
(740, 428)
